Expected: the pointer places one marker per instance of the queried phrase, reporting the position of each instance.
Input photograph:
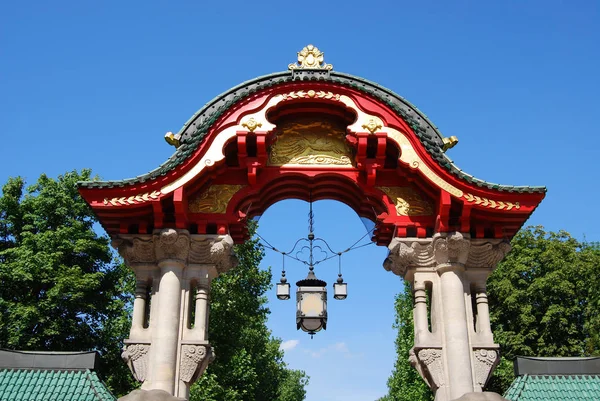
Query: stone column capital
(171, 244)
(213, 249)
(444, 251)
(487, 253)
(136, 250)
(451, 248)
(408, 252)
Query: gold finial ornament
(449, 143)
(372, 126)
(251, 124)
(172, 139)
(310, 58)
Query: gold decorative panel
(214, 200)
(310, 143)
(408, 202)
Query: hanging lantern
(340, 289)
(311, 298)
(283, 288)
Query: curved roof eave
(194, 130)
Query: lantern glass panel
(311, 304)
(340, 290)
(283, 291)
(312, 308)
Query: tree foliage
(249, 364)
(544, 300)
(61, 289)
(405, 384)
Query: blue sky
(97, 84)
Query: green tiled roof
(554, 388)
(195, 129)
(50, 385)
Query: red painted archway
(389, 165)
(311, 133)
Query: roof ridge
(195, 129)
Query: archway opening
(359, 330)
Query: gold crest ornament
(310, 58)
(251, 124)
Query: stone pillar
(201, 319)
(455, 357)
(168, 355)
(139, 305)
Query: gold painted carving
(309, 142)
(372, 126)
(172, 139)
(132, 200)
(310, 58)
(408, 202)
(493, 204)
(311, 94)
(214, 200)
(449, 143)
(251, 124)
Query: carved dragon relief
(408, 202)
(310, 142)
(214, 200)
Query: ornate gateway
(311, 132)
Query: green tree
(61, 289)
(543, 300)
(249, 364)
(405, 384)
(293, 387)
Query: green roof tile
(60, 385)
(196, 128)
(554, 388)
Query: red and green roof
(216, 149)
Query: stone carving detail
(200, 249)
(214, 200)
(485, 361)
(487, 254)
(171, 244)
(221, 254)
(431, 363)
(408, 202)
(194, 360)
(404, 254)
(136, 251)
(136, 358)
(451, 248)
